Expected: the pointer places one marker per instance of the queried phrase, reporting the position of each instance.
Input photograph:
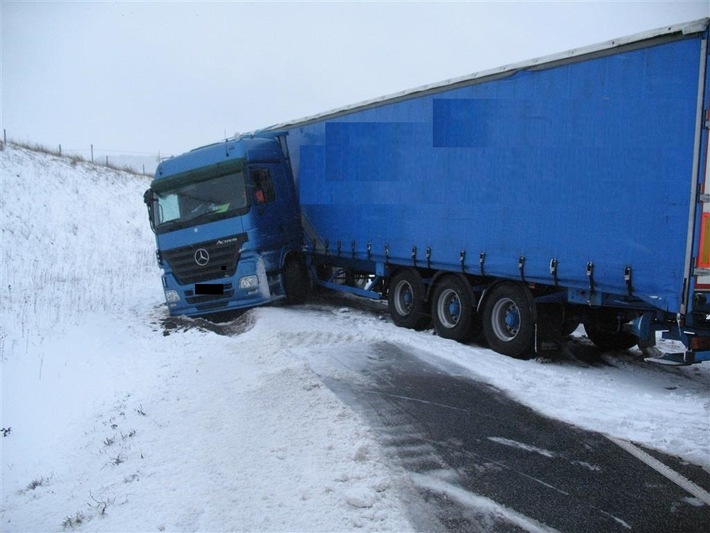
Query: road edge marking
(663, 469)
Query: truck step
(671, 359)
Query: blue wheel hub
(512, 318)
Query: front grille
(221, 257)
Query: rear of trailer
(577, 180)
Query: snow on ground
(121, 420)
(115, 426)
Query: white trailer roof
(686, 28)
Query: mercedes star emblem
(202, 257)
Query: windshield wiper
(201, 215)
(180, 223)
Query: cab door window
(263, 186)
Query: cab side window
(263, 186)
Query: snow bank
(74, 242)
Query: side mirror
(149, 199)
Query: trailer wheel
(604, 329)
(508, 320)
(297, 283)
(405, 300)
(453, 310)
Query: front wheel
(296, 280)
(508, 320)
(453, 310)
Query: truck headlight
(248, 282)
(172, 296)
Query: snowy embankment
(114, 425)
(120, 421)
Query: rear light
(698, 344)
(704, 253)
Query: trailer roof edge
(686, 28)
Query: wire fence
(134, 162)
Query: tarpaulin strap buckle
(553, 270)
(628, 280)
(590, 275)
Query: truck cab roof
(232, 152)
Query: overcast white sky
(170, 76)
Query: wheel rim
(449, 308)
(505, 319)
(404, 298)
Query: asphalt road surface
(480, 461)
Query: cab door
(275, 211)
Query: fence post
(92, 153)
(60, 149)
(4, 136)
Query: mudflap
(548, 331)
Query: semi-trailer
(514, 204)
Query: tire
(509, 320)
(405, 300)
(297, 283)
(603, 329)
(453, 310)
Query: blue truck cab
(227, 225)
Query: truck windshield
(202, 201)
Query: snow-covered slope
(75, 243)
(116, 426)
(123, 421)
